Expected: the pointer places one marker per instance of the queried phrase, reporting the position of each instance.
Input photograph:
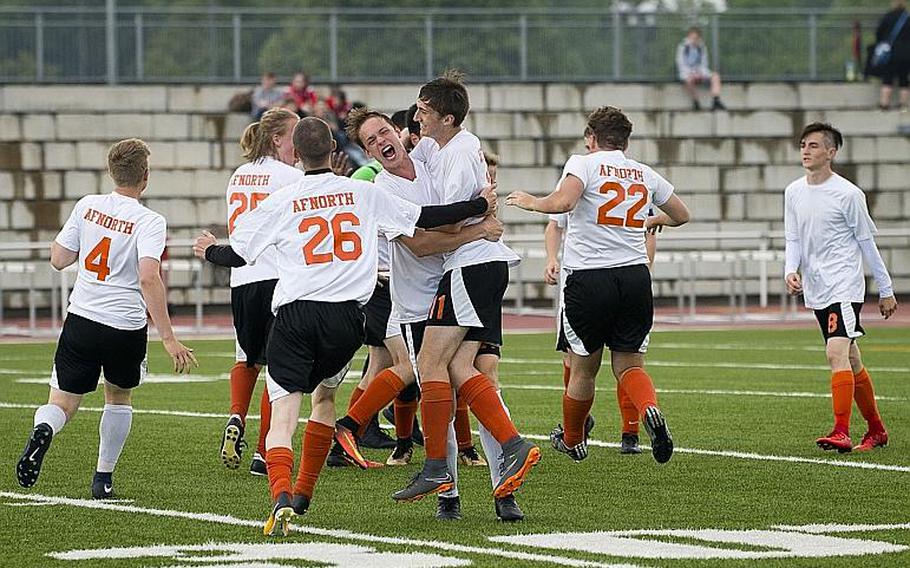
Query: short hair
(611, 128)
(832, 136)
(357, 117)
(269, 74)
(312, 141)
(128, 161)
(447, 95)
(694, 30)
(491, 158)
(256, 141)
(413, 125)
(399, 119)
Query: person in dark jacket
(898, 68)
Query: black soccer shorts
(840, 320)
(378, 310)
(251, 305)
(471, 297)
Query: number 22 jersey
(111, 233)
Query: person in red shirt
(304, 96)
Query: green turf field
(747, 486)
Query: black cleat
(507, 510)
(389, 413)
(336, 457)
(29, 465)
(577, 452)
(280, 517)
(425, 482)
(404, 451)
(448, 509)
(258, 466)
(518, 457)
(629, 444)
(589, 426)
(300, 504)
(232, 443)
(375, 437)
(656, 427)
(102, 486)
(470, 457)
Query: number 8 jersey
(607, 227)
(111, 233)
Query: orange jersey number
(619, 195)
(346, 245)
(101, 252)
(241, 198)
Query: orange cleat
(872, 440)
(836, 441)
(348, 443)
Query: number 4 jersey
(111, 233)
(607, 227)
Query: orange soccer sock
(243, 381)
(627, 410)
(484, 401)
(462, 424)
(842, 399)
(435, 409)
(864, 395)
(574, 414)
(317, 440)
(382, 390)
(404, 418)
(279, 461)
(566, 373)
(637, 385)
(265, 418)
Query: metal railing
(234, 45)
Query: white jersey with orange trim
(459, 173)
(249, 185)
(829, 220)
(326, 231)
(111, 233)
(414, 279)
(607, 227)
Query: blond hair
(256, 141)
(128, 162)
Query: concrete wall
(731, 167)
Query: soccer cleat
(507, 510)
(470, 457)
(404, 451)
(29, 465)
(661, 441)
(232, 443)
(389, 413)
(280, 517)
(336, 457)
(518, 457)
(577, 452)
(257, 465)
(348, 444)
(375, 437)
(300, 504)
(102, 486)
(835, 441)
(629, 444)
(448, 509)
(589, 426)
(872, 440)
(425, 483)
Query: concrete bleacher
(731, 167)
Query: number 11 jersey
(607, 227)
(111, 233)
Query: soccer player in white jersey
(828, 235)
(607, 292)
(325, 228)
(467, 308)
(118, 243)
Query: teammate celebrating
(118, 243)
(607, 292)
(828, 235)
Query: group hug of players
(413, 266)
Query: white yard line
(717, 453)
(834, 528)
(712, 365)
(330, 533)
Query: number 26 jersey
(607, 227)
(111, 233)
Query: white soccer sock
(113, 429)
(452, 459)
(52, 415)
(491, 448)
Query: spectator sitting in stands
(265, 96)
(897, 70)
(355, 153)
(304, 96)
(338, 103)
(692, 65)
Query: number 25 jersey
(111, 233)
(607, 227)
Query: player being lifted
(828, 235)
(607, 291)
(118, 243)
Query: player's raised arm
(155, 299)
(426, 243)
(563, 198)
